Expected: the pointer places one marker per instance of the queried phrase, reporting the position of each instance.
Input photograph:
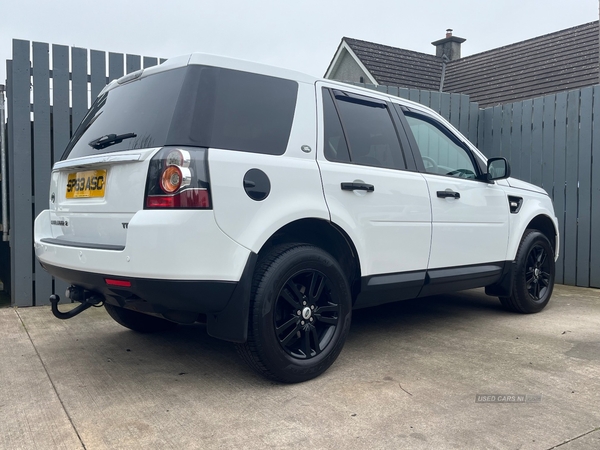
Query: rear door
(100, 182)
(373, 194)
(93, 198)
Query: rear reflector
(121, 283)
(189, 198)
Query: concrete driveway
(408, 377)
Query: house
(555, 62)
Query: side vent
(515, 204)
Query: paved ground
(407, 378)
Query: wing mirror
(497, 169)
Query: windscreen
(193, 106)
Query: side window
(252, 113)
(370, 134)
(335, 142)
(441, 154)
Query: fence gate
(49, 90)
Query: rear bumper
(160, 296)
(225, 304)
(160, 244)
(179, 263)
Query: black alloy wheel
(538, 276)
(300, 313)
(533, 276)
(306, 314)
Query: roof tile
(554, 62)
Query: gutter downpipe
(3, 166)
(442, 79)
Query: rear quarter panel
(296, 190)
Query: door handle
(358, 187)
(448, 193)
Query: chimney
(449, 46)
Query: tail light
(178, 178)
(173, 178)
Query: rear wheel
(534, 275)
(136, 321)
(300, 314)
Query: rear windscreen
(194, 106)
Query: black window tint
(248, 112)
(334, 140)
(143, 107)
(370, 132)
(194, 106)
(441, 154)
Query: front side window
(441, 154)
(360, 130)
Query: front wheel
(534, 275)
(300, 314)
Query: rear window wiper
(110, 139)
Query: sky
(299, 35)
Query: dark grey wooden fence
(45, 103)
(552, 141)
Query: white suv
(269, 204)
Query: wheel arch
(546, 226)
(231, 323)
(325, 235)
(540, 222)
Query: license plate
(88, 184)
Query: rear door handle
(448, 193)
(358, 187)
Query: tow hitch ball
(77, 294)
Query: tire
(534, 275)
(300, 314)
(136, 321)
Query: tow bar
(77, 294)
